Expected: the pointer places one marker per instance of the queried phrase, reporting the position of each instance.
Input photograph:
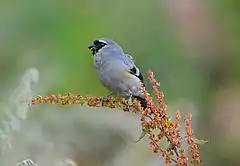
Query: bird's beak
(91, 47)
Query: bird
(116, 70)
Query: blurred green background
(192, 47)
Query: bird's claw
(130, 103)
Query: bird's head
(103, 43)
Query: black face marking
(96, 46)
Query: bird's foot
(130, 102)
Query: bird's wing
(129, 56)
(128, 61)
(135, 71)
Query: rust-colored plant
(155, 122)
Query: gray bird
(116, 70)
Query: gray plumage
(117, 70)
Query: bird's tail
(142, 101)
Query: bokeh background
(191, 45)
